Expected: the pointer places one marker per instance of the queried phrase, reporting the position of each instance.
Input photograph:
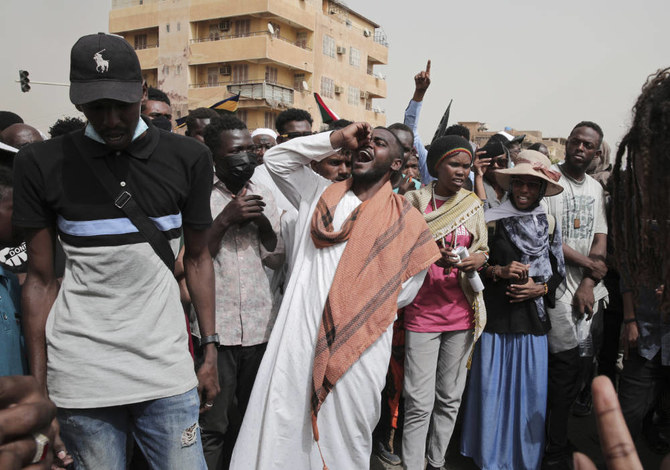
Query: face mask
(237, 170)
(162, 123)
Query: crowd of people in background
(302, 298)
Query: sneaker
(384, 452)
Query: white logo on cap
(102, 65)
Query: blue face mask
(93, 134)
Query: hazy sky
(524, 64)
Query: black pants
(238, 366)
(564, 384)
(640, 385)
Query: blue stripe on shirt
(92, 228)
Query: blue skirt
(506, 402)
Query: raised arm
(421, 84)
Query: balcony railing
(221, 37)
(140, 47)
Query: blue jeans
(166, 430)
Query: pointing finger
(428, 67)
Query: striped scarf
(388, 242)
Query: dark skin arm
(37, 296)
(421, 83)
(242, 209)
(583, 300)
(200, 281)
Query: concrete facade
(275, 53)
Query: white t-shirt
(580, 209)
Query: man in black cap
(118, 194)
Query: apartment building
(274, 53)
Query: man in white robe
(277, 430)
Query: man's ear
(396, 164)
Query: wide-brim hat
(104, 66)
(532, 163)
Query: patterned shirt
(245, 313)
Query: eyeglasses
(532, 185)
(500, 162)
(293, 135)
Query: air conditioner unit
(225, 70)
(338, 89)
(341, 50)
(365, 95)
(377, 110)
(367, 33)
(224, 25)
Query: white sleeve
(287, 162)
(410, 288)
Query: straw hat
(532, 163)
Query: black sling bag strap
(124, 201)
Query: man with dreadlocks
(641, 221)
(361, 252)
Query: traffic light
(25, 81)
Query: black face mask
(162, 123)
(237, 170)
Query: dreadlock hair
(225, 122)
(641, 191)
(65, 126)
(199, 113)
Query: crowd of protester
(286, 298)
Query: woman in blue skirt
(506, 400)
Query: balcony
(375, 85)
(276, 95)
(258, 47)
(299, 16)
(148, 57)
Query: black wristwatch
(210, 339)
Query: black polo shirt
(168, 175)
(115, 333)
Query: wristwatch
(210, 339)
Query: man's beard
(370, 177)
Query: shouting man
(361, 252)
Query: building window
(353, 96)
(240, 73)
(140, 41)
(212, 76)
(242, 28)
(241, 115)
(178, 26)
(354, 57)
(270, 119)
(298, 78)
(177, 70)
(328, 46)
(327, 87)
(166, 70)
(301, 39)
(167, 28)
(270, 74)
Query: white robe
(277, 432)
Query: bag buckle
(122, 199)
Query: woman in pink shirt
(447, 315)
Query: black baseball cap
(104, 66)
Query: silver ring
(209, 404)
(41, 447)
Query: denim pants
(165, 429)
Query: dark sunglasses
(293, 135)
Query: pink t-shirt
(440, 304)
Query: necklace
(576, 223)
